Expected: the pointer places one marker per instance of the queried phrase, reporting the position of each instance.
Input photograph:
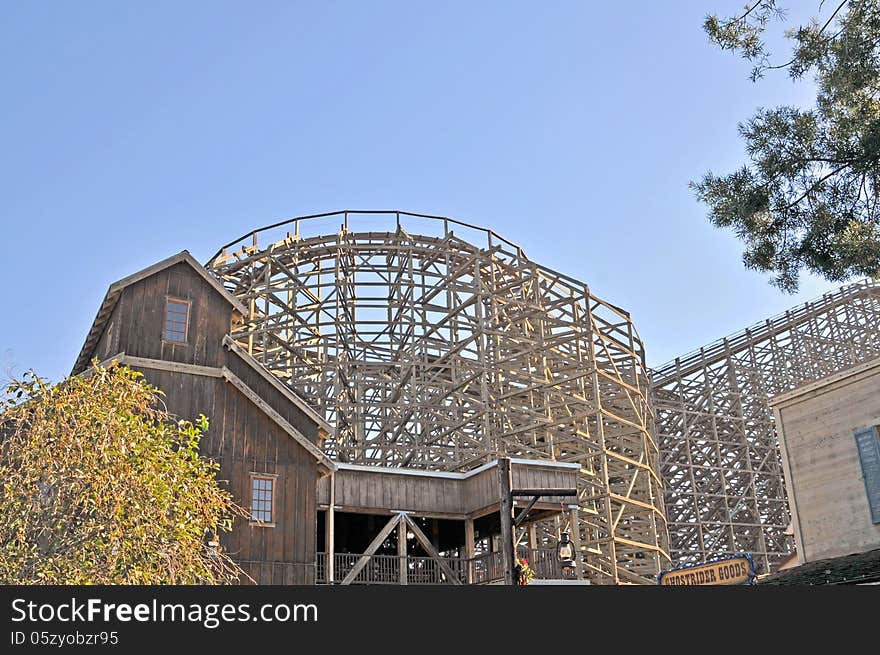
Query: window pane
(261, 499)
(176, 314)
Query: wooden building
(171, 321)
(828, 433)
(313, 520)
(404, 526)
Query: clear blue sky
(130, 131)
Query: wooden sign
(732, 570)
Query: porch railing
(543, 561)
(488, 567)
(385, 569)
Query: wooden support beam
(469, 549)
(576, 541)
(401, 552)
(330, 532)
(171, 367)
(505, 511)
(372, 548)
(524, 512)
(544, 492)
(429, 547)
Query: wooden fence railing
(385, 569)
(543, 561)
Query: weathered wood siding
(136, 324)
(481, 490)
(824, 477)
(244, 441)
(535, 476)
(291, 413)
(427, 495)
(108, 344)
(241, 437)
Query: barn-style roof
(117, 288)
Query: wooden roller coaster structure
(720, 462)
(433, 344)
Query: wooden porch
(403, 526)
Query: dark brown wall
(279, 402)
(108, 344)
(244, 440)
(135, 326)
(241, 437)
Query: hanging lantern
(565, 551)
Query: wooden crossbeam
(372, 548)
(525, 511)
(429, 547)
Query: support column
(330, 532)
(401, 552)
(469, 549)
(576, 540)
(505, 510)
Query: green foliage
(102, 486)
(807, 200)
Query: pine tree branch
(822, 29)
(815, 186)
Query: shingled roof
(848, 569)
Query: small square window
(262, 498)
(176, 320)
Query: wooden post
(469, 549)
(330, 532)
(505, 511)
(401, 551)
(576, 541)
(533, 539)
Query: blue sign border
(752, 572)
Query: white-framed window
(263, 499)
(176, 323)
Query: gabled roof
(323, 461)
(116, 289)
(285, 391)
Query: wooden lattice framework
(724, 486)
(430, 343)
